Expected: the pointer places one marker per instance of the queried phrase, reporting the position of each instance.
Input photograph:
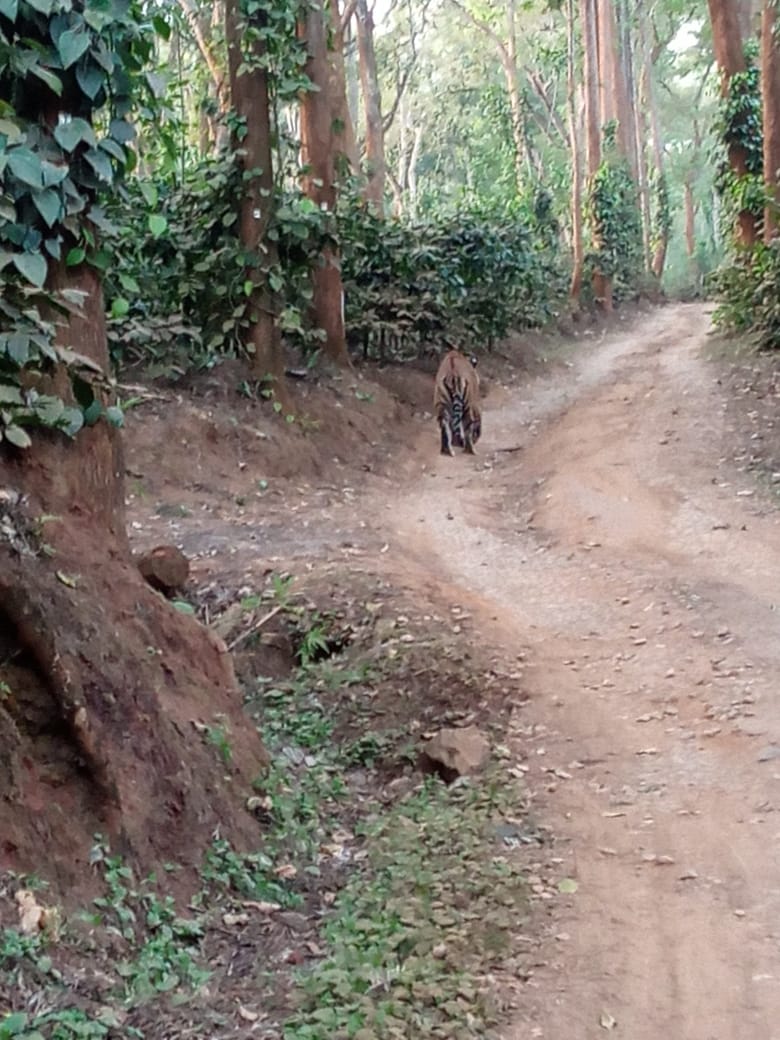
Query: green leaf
(71, 421)
(53, 173)
(120, 307)
(17, 436)
(32, 266)
(69, 135)
(44, 6)
(25, 166)
(90, 79)
(100, 163)
(18, 348)
(157, 225)
(48, 204)
(93, 413)
(115, 416)
(161, 27)
(72, 44)
(114, 150)
(123, 132)
(75, 256)
(52, 81)
(128, 283)
(12, 1024)
(10, 394)
(149, 192)
(567, 886)
(9, 8)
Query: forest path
(638, 572)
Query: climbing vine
(661, 211)
(615, 220)
(739, 126)
(61, 67)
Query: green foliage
(59, 66)
(661, 213)
(462, 275)
(615, 223)
(400, 953)
(749, 295)
(739, 127)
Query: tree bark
(105, 682)
(727, 44)
(249, 93)
(589, 23)
(372, 106)
(344, 140)
(770, 97)
(317, 148)
(578, 247)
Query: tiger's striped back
(456, 403)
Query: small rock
(165, 568)
(456, 752)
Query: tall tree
(247, 65)
(730, 55)
(345, 142)
(575, 147)
(770, 97)
(376, 164)
(319, 182)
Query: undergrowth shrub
(176, 289)
(749, 295)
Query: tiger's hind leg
(446, 437)
(473, 432)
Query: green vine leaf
(72, 44)
(71, 134)
(26, 166)
(32, 266)
(17, 436)
(49, 205)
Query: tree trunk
(660, 246)
(105, 683)
(578, 247)
(589, 23)
(770, 98)
(344, 141)
(690, 208)
(372, 105)
(730, 56)
(317, 148)
(626, 87)
(249, 92)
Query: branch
(483, 27)
(346, 15)
(204, 46)
(539, 87)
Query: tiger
(456, 403)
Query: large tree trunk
(372, 105)
(727, 43)
(344, 141)
(106, 683)
(575, 149)
(596, 102)
(660, 246)
(249, 92)
(317, 147)
(770, 98)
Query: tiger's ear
(474, 360)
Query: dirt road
(639, 572)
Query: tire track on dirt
(618, 549)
